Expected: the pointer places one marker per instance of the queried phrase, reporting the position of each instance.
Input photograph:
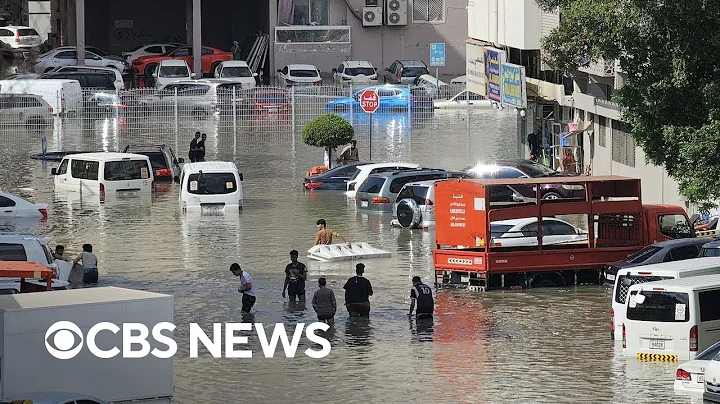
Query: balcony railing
(600, 68)
(337, 34)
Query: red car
(271, 101)
(210, 59)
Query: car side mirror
(241, 177)
(192, 75)
(53, 171)
(255, 74)
(181, 160)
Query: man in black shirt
(200, 154)
(295, 276)
(421, 293)
(357, 293)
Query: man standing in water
(295, 277)
(246, 287)
(200, 153)
(357, 293)
(349, 154)
(89, 261)
(325, 235)
(192, 154)
(422, 294)
(324, 303)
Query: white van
(104, 174)
(676, 319)
(64, 96)
(649, 273)
(211, 186)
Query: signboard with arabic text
(513, 85)
(493, 59)
(475, 68)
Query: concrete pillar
(271, 45)
(188, 21)
(197, 38)
(70, 37)
(80, 30)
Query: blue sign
(513, 85)
(493, 59)
(437, 54)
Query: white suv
(20, 37)
(20, 247)
(356, 73)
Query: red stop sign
(369, 101)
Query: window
(664, 307)
(238, 71)
(709, 353)
(428, 10)
(63, 167)
(372, 185)
(310, 12)
(206, 51)
(194, 90)
(711, 252)
(304, 73)
(182, 52)
(622, 289)
(65, 55)
(506, 172)
(684, 253)
(84, 170)
(86, 402)
(212, 183)
(559, 228)
(154, 49)
(623, 145)
(6, 202)
(397, 184)
(157, 160)
(418, 193)
(386, 93)
(12, 252)
(99, 81)
(6, 32)
(643, 254)
(126, 170)
(675, 226)
(174, 71)
(27, 32)
(709, 307)
(497, 230)
(354, 71)
(414, 71)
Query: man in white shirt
(89, 261)
(246, 287)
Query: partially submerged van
(64, 96)
(672, 319)
(627, 277)
(171, 70)
(104, 174)
(211, 186)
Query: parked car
(238, 71)
(97, 80)
(119, 81)
(434, 87)
(459, 80)
(102, 53)
(25, 109)
(355, 72)
(199, 97)
(13, 206)
(104, 174)
(20, 36)
(392, 99)
(210, 58)
(405, 71)
(364, 171)
(299, 75)
(663, 251)
(379, 191)
(25, 247)
(155, 49)
(524, 232)
(67, 56)
(518, 168)
(211, 186)
(712, 380)
(57, 398)
(335, 179)
(711, 249)
(690, 376)
(170, 71)
(463, 100)
(164, 164)
(48, 90)
(266, 101)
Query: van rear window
(659, 306)
(212, 183)
(625, 281)
(126, 170)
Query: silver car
(405, 71)
(378, 192)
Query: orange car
(211, 57)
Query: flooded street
(545, 345)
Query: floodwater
(544, 345)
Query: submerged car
(164, 164)
(690, 375)
(392, 99)
(335, 179)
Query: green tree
(670, 55)
(328, 131)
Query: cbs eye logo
(60, 340)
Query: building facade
(568, 114)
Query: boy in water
(89, 262)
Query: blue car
(392, 99)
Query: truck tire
(409, 214)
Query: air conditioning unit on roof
(396, 12)
(372, 16)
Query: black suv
(98, 80)
(162, 159)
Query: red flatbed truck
(618, 225)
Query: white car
(154, 49)
(464, 99)
(23, 247)
(364, 171)
(171, 70)
(67, 56)
(25, 109)
(712, 380)
(690, 376)
(20, 37)
(237, 71)
(13, 206)
(523, 232)
(459, 80)
(299, 75)
(119, 82)
(355, 72)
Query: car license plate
(128, 193)
(657, 344)
(610, 277)
(701, 378)
(465, 278)
(363, 204)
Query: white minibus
(211, 186)
(104, 174)
(627, 277)
(673, 319)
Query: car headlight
(573, 187)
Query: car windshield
(664, 307)
(372, 185)
(675, 226)
(212, 183)
(643, 254)
(414, 71)
(174, 71)
(418, 193)
(157, 159)
(238, 71)
(536, 170)
(303, 73)
(354, 71)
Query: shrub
(328, 131)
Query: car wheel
(150, 69)
(409, 214)
(552, 195)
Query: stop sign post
(370, 102)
